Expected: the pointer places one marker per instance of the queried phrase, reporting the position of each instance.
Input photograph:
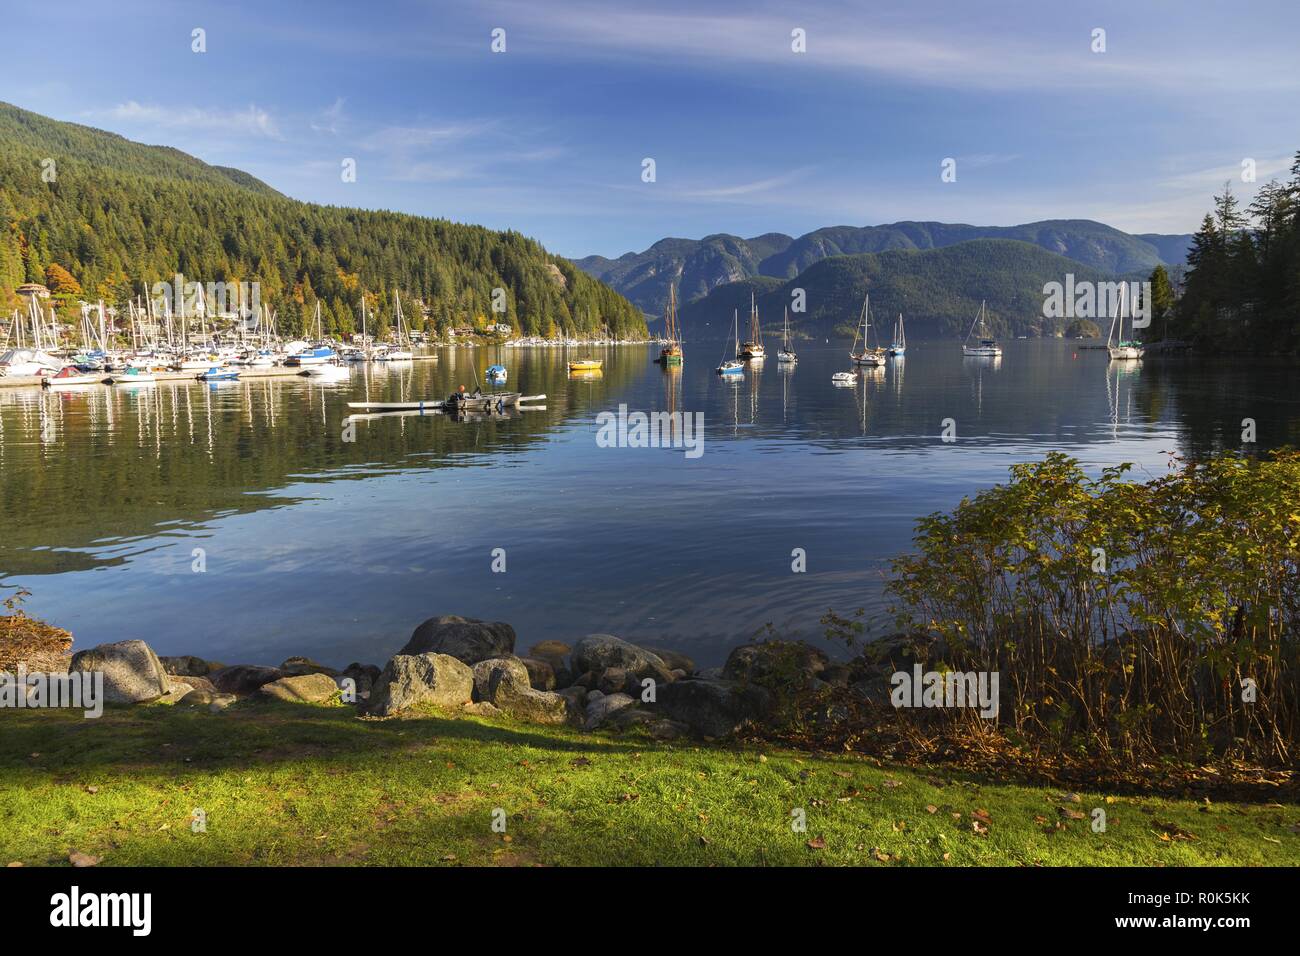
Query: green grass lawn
(300, 784)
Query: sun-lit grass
(298, 784)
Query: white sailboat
(753, 349)
(1121, 349)
(785, 354)
(986, 345)
(733, 366)
(872, 356)
(899, 344)
(401, 352)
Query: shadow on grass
(254, 734)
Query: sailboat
(786, 354)
(753, 349)
(987, 345)
(672, 352)
(899, 344)
(733, 366)
(873, 356)
(1122, 349)
(400, 352)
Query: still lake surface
(334, 549)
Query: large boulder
(467, 639)
(410, 679)
(244, 678)
(600, 709)
(790, 663)
(132, 672)
(599, 652)
(515, 697)
(484, 670)
(713, 708)
(301, 688)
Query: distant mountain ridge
(700, 265)
(939, 292)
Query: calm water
(337, 550)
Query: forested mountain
(108, 218)
(937, 290)
(699, 266)
(1242, 288)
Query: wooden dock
(251, 372)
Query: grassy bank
(299, 784)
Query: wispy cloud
(253, 120)
(330, 119)
(947, 52)
(740, 190)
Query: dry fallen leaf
(979, 828)
(817, 843)
(77, 858)
(931, 808)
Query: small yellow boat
(586, 365)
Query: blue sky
(747, 135)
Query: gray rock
(465, 638)
(599, 652)
(540, 673)
(599, 710)
(296, 666)
(577, 698)
(481, 708)
(410, 679)
(483, 671)
(202, 698)
(132, 672)
(244, 678)
(592, 695)
(792, 662)
(301, 688)
(713, 708)
(710, 673)
(673, 660)
(613, 680)
(187, 665)
(516, 698)
(189, 682)
(363, 676)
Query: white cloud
(252, 121)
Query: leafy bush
(1124, 618)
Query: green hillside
(119, 216)
(938, 291)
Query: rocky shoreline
(458, 663)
